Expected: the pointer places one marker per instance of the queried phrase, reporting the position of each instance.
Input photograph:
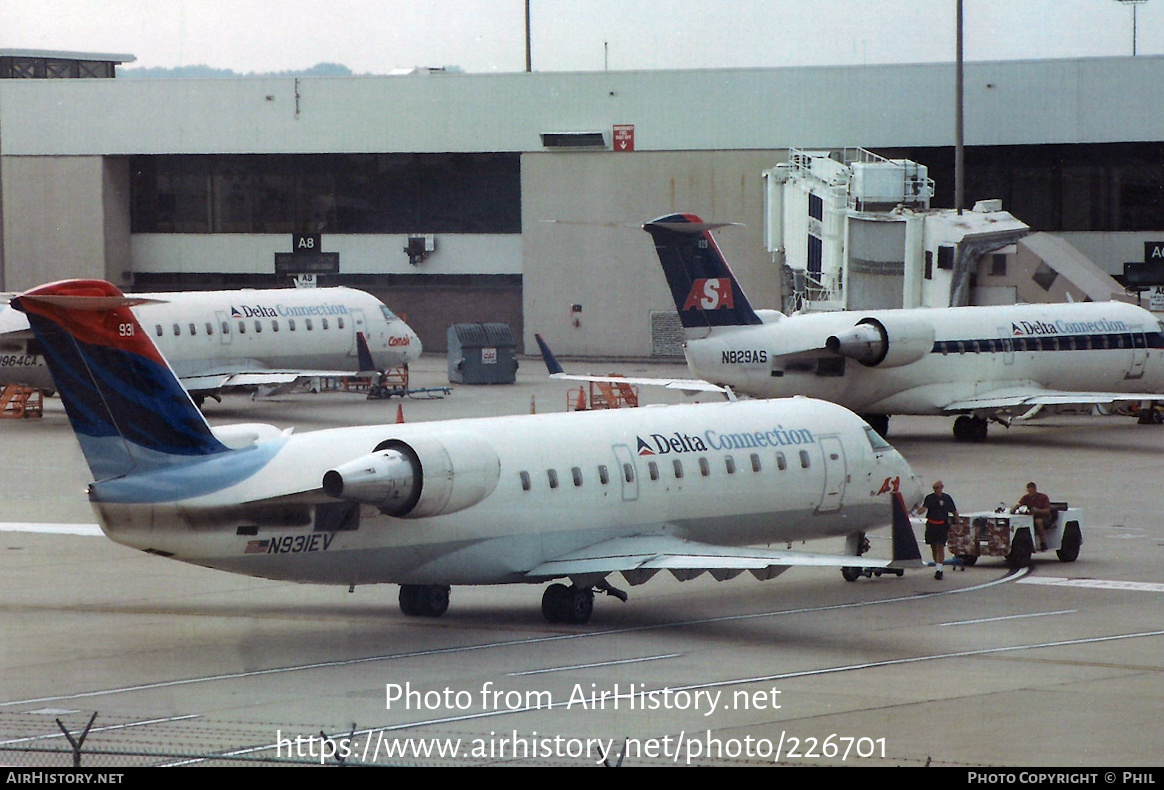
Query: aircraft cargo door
(835, 474)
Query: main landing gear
(970, 429)
(857, 544)
(424, 600)
(573, 604)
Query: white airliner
(980, 363)
(220, 339)
(499, 500)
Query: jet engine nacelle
(885, 341)
(421, 477)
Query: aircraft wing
(1017, 397)
(638, 558)
(213, 381)
(684, 385)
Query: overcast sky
(377, 36)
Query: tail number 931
(125, 330)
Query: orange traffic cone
(581, 405)
(399, 413)
(533, 404)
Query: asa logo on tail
(710, 293)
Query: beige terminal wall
(583, 244)
(64, 216)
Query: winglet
(364, 354)
(905, 549)
(552, 364)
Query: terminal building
(517, 198)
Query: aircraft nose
(912, 486)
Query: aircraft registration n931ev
(532, 498)
(216, 340)
(981, 363)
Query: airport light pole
(959, 141)
(1133, 4)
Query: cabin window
(193, 330)
(274, 325)
(307, 324)
(577, 474)
(804, 461)
(291, 324)
(704, 467)
(258, 325)
(781, 464)
(323, 323)
(552, 474)
(209, 329)
(158, 330)
(628, 473)
(729, 464)
(177, 330)
(755, 462)
(525, 484)
(226, 327)
(339, 322)
(677, 466)
(242, 327)
(603, 474)
(653, 469)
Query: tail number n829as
(745, 356)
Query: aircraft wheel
(410, 599)
(424, 600)
(962, 429)
(556, 603)
(581, 606)
(978, 428)
(1021, 548)
(1072, 539)
(434, 600)
(850, 574)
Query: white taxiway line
(592, 666)
(1007, 617)
(1094, 584)
(87, 530)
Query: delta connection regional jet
(527, 499)
(979, 363)
(216, 340)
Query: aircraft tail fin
(906, 552)
(364, 354)
(705, 291)
(552, 364)
(128, 409)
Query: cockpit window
(876, 441)
(388, 314)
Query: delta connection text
(678, 442)
(287, 311)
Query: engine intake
(885, 341)
(420, 478)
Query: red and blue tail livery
(126, 406)
(706, 293)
